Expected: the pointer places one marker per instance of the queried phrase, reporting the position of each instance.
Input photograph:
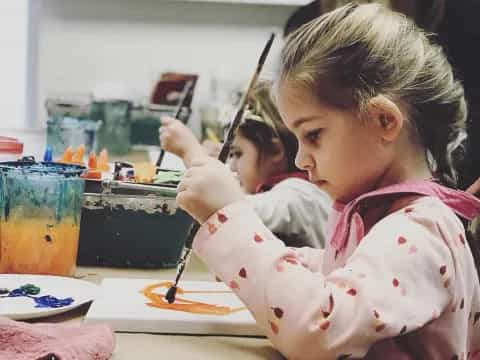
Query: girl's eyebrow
(302, 120)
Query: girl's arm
(399, 278)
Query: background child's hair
(354, 53)
(263, 125)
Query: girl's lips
(320, 182)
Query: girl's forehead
(290, 94)
(239, 140)
(295, 99)
(295, 105)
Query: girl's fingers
(474, 189)
(183, 185)
(200, 161)
(166, 120)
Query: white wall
(13, 63)
(85, 42)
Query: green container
(114, 134)
(131, 225)
(146, 122)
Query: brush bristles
(170, 296)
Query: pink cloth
(462, 203)
(403, 287)
(22, 341)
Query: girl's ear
(386, 117)
(278, 154)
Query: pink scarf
(462, 203)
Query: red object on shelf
(168, 89)
(9, 145)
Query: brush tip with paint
(170, 296)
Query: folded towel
(22, 341)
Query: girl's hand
(177, 138)
(207, 187)
(212, 148)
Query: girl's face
(340, 152)
(251, 168)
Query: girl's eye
(235, 154)
(313, 136)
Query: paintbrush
(186, 91)
(170, 295)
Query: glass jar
(114, 133)
(40, 208)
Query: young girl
(263, 157)
(376, 111)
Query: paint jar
(69, 124)
(40, 208)
(63, 132)
(114, 134)
(131, 225)
(10, 149)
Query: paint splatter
(46, 301)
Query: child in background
(263, 157)
(377, 112)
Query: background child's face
(336, 148)
(251, 168)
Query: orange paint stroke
(190, 306)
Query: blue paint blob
(49, 301)
(46, 301)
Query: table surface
(155, 346)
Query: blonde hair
(356, 52)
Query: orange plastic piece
(92, 161)
(67, 155)
(78, 156)
(92, 174)
(102, 163)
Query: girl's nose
(232, 164)
(303, 160)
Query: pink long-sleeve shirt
(401, 286)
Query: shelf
(253, 2)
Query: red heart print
(258, 238)
(222, 218)
(242, 273)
